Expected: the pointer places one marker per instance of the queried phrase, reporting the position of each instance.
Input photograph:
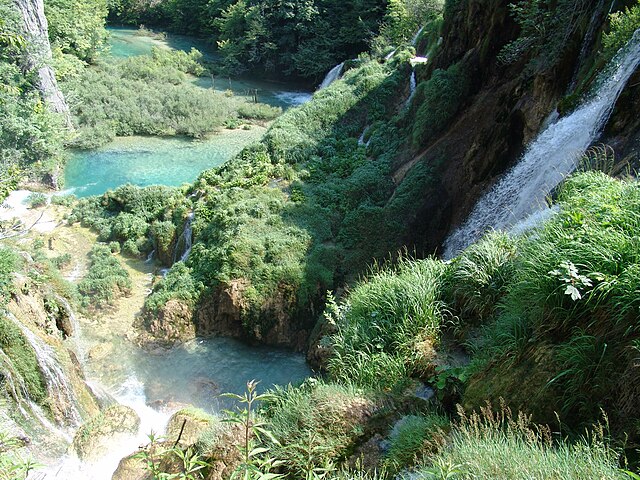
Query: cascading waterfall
(414, 40)
(332, 76)
(361, 137)
(57, 385)
(553, 155)
(412, 88)
(187, 240)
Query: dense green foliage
(391, 317)
(491, 445)
(177, 284)
(623, 25)
(23, 359)
(151, 95)
(291, 38)
(77, 27)
(105, 280)
(141, 219)
(31, 136)
(438, 100)
(547, 26)
(573, 295)
(8, 264)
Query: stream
(156, 383)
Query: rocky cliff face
(40, 376)
(38, 54)
(507, 105)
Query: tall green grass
(574, 295)
(388, 314)
(489, 446)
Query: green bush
(479, 278)
(439, 99)
(259, 111)
(315, 424)
(136, 217)
(177, 284)
(622, 26)
(8, 264)
(105, 280)
(23, 359)
(146, 95)
(572, 302)
(36, 200)
(412, 440)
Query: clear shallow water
(198, 371)
(151, 161)
(128, 42)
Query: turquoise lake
(146, 161)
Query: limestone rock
(195, 423)
(173, 323)
(132, 468)
(38, 55)
(97, 436)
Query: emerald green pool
(168, 161)
(151, 161)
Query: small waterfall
(362, 135)
(332, 76)
(587, 42)
(186, 238)
(58, 387)
(548, 159)
(390, 54)
(414, 40)
(412, 88)
(150, 256)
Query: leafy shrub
(439, 99)
(479, 277)
(8, 264)
(178, 284)
(105, 280)
(622, 26)
(259, 111)
(315, 424)
(572, 298)
(63, 200)
(146, 95)
(23, 359)
(36, 200)
(136, 217)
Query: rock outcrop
(96, 437)
(38, 55)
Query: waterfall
(150, 256)
(58, 387)
(390, 54)
(414, 40)
(186, 238)
(361, 137)
(587, 42)
(332, 76)
(549, 158)
(412, 88)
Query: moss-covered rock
(186, 426)
(97, 436)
